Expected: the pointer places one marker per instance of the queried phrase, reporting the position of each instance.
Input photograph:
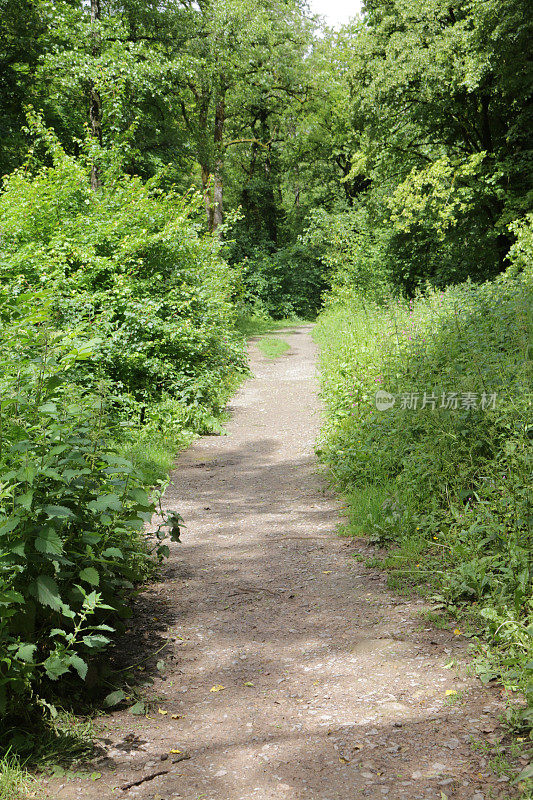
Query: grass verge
(441, 476)
(15, 782)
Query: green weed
(446, 489)
(272, 347)
(249, 324)
(440, 619)
(15, 782)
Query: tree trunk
(206, 186)
(95, 101)
(218, 138)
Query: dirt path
(334, 687)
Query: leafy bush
(130, 260)
(453, 477)
(277, 282)
(351, 250)
(72, 509)
(116, 335)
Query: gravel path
(291, 672)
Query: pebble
(451, 744)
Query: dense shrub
(116, 327)
(352, 252)
(451, 479)
(129, 259)
(72, 509)
(276, 281)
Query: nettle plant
(72, 511)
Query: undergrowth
(115, 351)
(440, 474)
(15, 782)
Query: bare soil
(291, 671)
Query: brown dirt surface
(291, 671)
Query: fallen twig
(181, 757)
(253, 589)
(150, 777)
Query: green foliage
(454, 481)
(15, 782)
(351, 253)
(72, 510)
(127, 260)
(521, 253)
(287, 282)
(110, 338)
(420, 117)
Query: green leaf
(25, 500)
(105, 502)
(90, 575)
(139, 495)
(47, 592)
(8, 596)
(48, 408)
(114, 698)
(138, 709)
(67, 611)
(49, 542)
(113, 552)
(79, 665)
(56, 665)
(62, 512)
(25, 652)
(95, 641)
(10, 525)
(163, 551)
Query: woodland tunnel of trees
(173, 168)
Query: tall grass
(446, 485)
(15, 782)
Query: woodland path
(334, 686)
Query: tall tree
(95, 101)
